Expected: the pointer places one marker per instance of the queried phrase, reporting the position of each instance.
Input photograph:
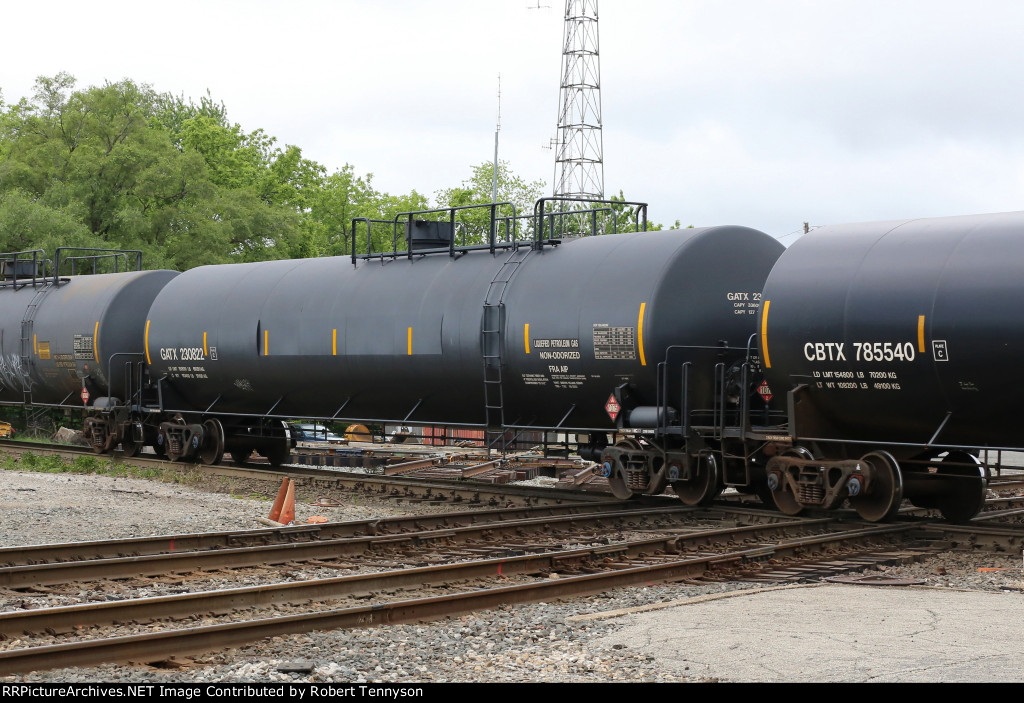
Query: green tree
(145, 171)
(628, 218)
(122, 166)
(478, 189)
(344, 196)
(92, 155)
(27, 224)
(171, 112)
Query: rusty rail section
(618, 571)
(65, 618)
(1001, 508)
(443, 491)
(214, 559)
(974, 536)
(166, 544)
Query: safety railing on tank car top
(635, 211)
(556, 222)
(93, 260)
(405, 220)
(24, 268)
(503, 231)
(32, 267)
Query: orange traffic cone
(288, 509)
(275, 512)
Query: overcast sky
(765, 113)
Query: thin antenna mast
(494, 182)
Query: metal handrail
(540, 205)
(114, 255)
(510, 223)
(37, 261)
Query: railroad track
(168, 544)
(779, 550)
(399, 488)
(695, 545)
(491, 557)
(373, 547)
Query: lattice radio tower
(579, 155)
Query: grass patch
(190, 476)
(252, 496)
(46, 463)
(41, 438)
(94, 465)
(98, 465)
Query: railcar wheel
(882, 499)
(276, 454)
(159, 446)
(616, 479)
(786, 502)
(781, 494)
(967, 497)
(212, 449)
(703, 485)
(130, 447)
(109, 445)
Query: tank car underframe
(206, 438)
(106, 429)
(824, 470)
(788, 469)
(797, 482)
(951, 480)
(698, 459)
(186, 436)
(697, 469)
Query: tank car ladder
(492, 336)
(27, 347)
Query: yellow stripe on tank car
(35, 344)
(526, 337)
(334, 342)
(408, 344)
(640, 334)
(920, 333)
(206, 349)
(266, 342)
(764, 334)
(96, 342)
(145, 342)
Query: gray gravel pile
(544, 642)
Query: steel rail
(975, 536)
(189, 641)
(66, 618)
(165, 544)
(28, 575)
(397, 487)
